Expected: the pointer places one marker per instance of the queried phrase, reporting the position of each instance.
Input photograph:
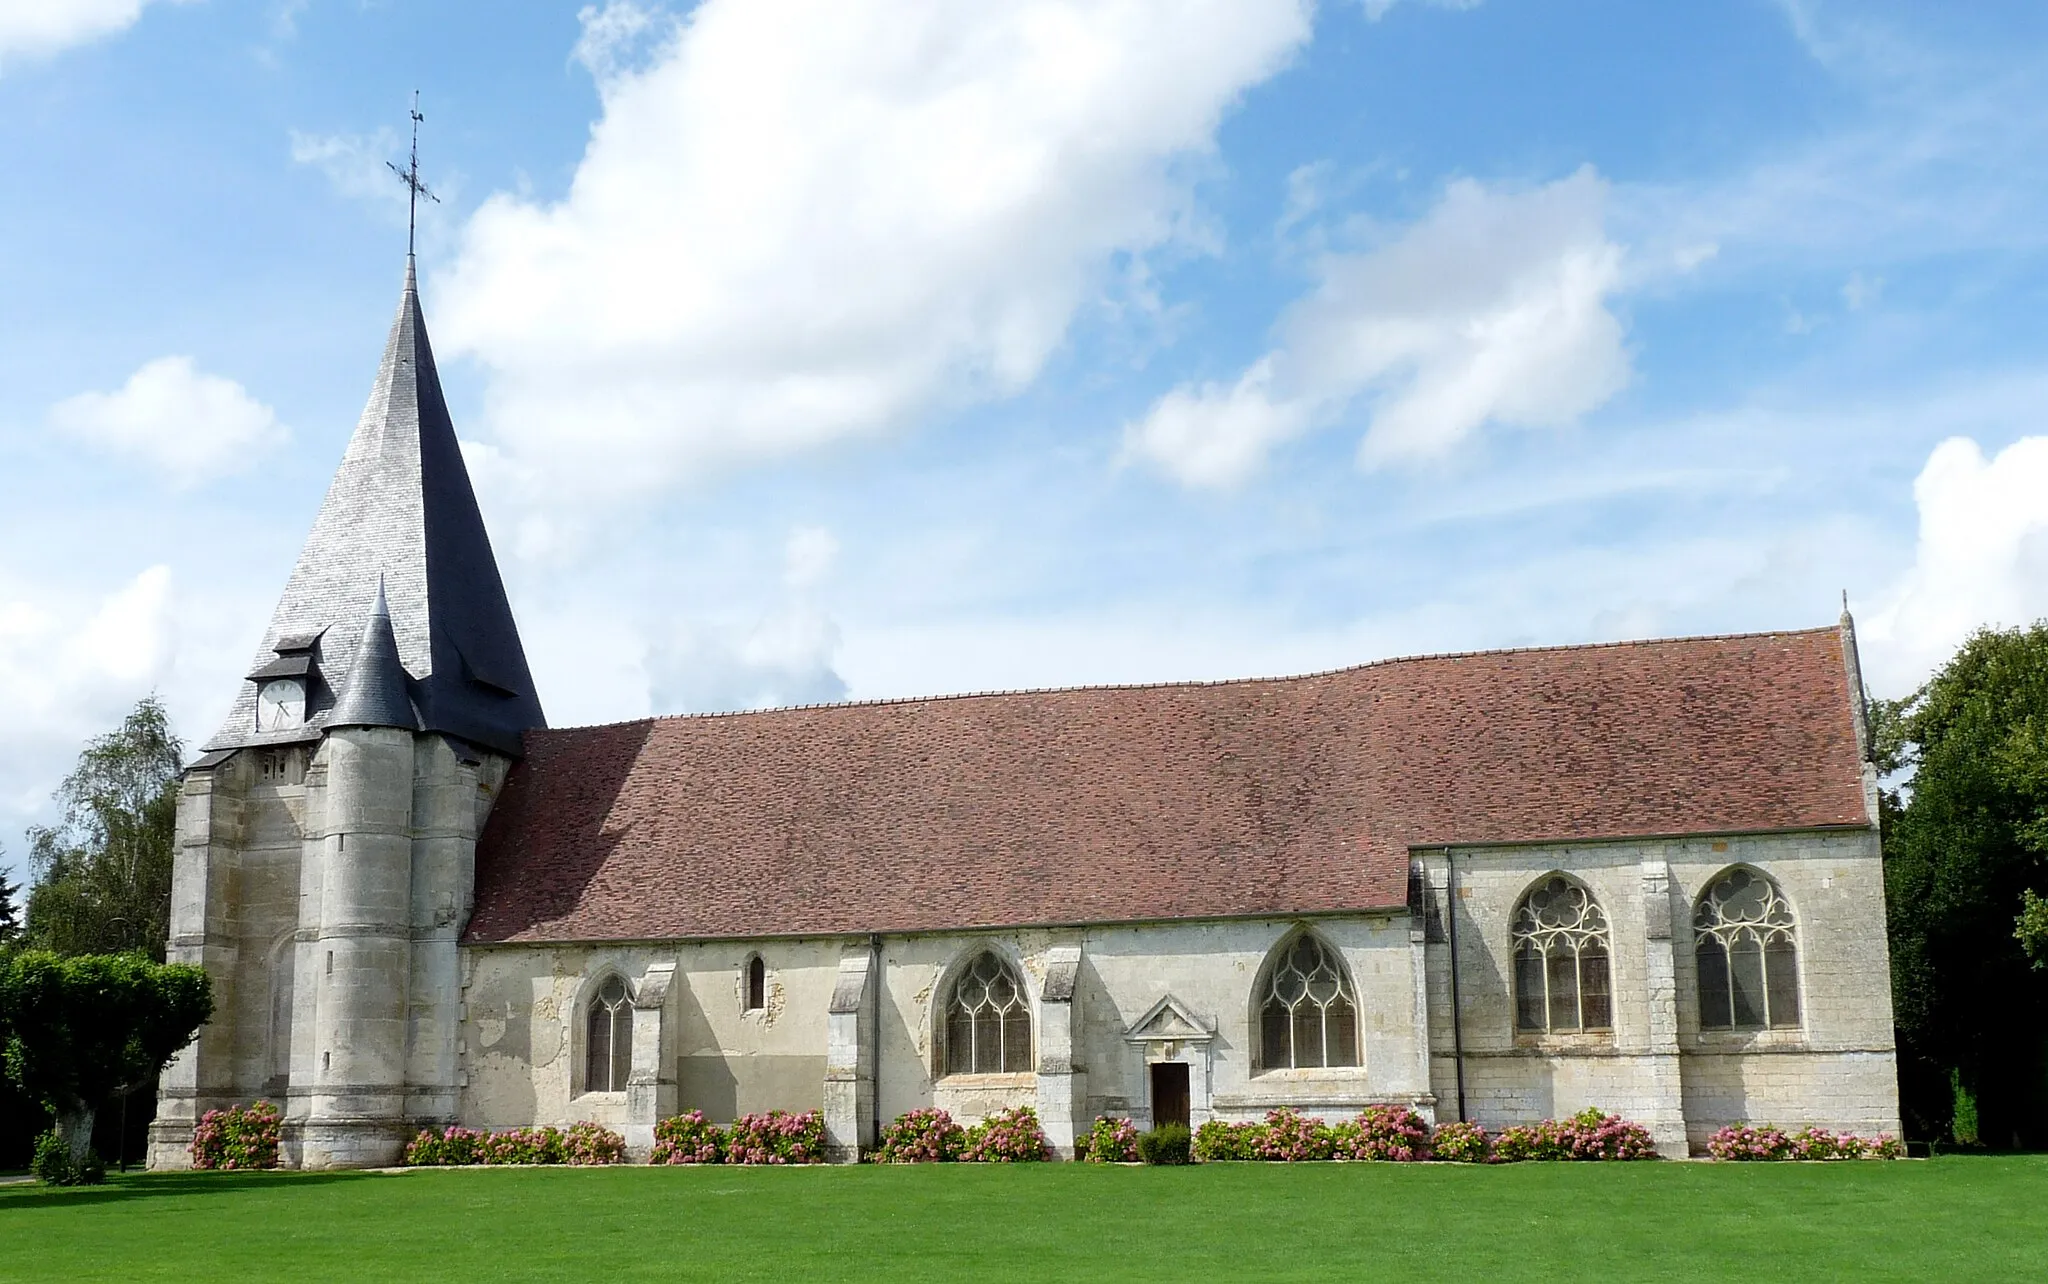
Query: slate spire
(401, 511)
(376, 694)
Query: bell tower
(327, 835)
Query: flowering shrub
(589, 1145)
(926, 1136)
(1461, 1143)
(687, 1138)
(584, 1144)
(1289, 1137)
(1381, 1132)
(451, 1147)
(237, 1138)
(1747, 1142)
(776, 1138)
(1589, 1134)
(1216, 1140)
(1110, 1141)
(1007, 1137)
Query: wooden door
(1169, 1093)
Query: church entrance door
(1169, 1093)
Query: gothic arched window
(1747, 945)
(757, 984)
(988, 1020)
(1307, 1015)
(609, 1057)
(1561, 952)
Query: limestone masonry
(1503, 885)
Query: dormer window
(284, 685)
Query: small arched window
(757, 984)
(610, 1044)
(1307, 1014)
(1747, 946)
(1561, 952)
(988, 1020)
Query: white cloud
(783, 657)
(805, 221)
(1982, 559)
(357, 165)
(39, 28)
(1377, 9)
(69, 667)
(190, 426)
(1492, 308)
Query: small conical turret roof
(401, 511)
(376, 693)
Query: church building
(1501, 885)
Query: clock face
(281, 705)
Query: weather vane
(410, 175)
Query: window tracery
(1747, 948)
(609, 1047)
(988, 1020)
(1308, 1016)
(1562, 978)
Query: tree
(82, 1031)
(1966, 861)
(10, 914)
(103, 873)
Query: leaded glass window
(1561, 951)
(1307, 1014)
(610, 1046)
(988, 1020)
(1747, 946)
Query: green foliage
(238, 1138)
(103, 873)
(1966, 858)
(2031, 927)
(10, 913)
(80, 1031)
(1963, 1129)
(1166, 1144)
(52, 1164)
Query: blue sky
(819, 351)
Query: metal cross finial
(410, 175)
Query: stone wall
(1656, 1065)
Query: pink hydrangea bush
(687, 1138)
(452, 1147)
(238, 1138)
(1289, 1137)
(925, 1136)
(776, 1137)
(1382, 1132)
(589, 1145)
(1110, 1141)
(1753, 1142)
(1007, 1137)
(1590, 1134)
(584, 1144)
(1459, 1142)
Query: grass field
(1951, 1219)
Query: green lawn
(1951, 1220)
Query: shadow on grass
(160, 1185)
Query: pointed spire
(401, 511)
(376, 692)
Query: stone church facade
(1500, 886)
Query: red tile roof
(1116, 804)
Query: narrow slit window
(757, 984)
